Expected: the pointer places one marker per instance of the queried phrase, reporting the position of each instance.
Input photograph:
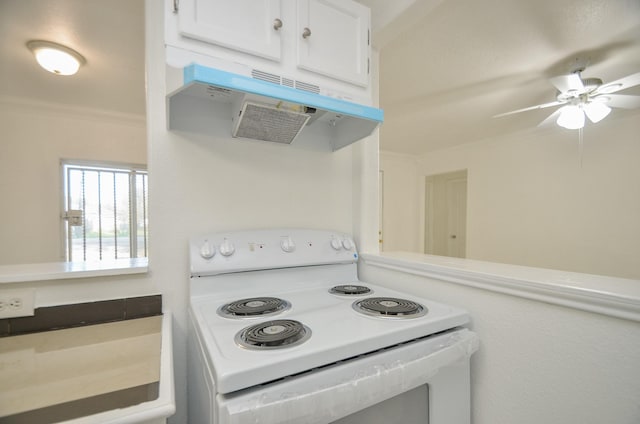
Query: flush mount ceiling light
(56, 58)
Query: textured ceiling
(454, 64)
(108, 33)
(446, 66)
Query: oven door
(423, 381)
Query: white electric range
(282, 331)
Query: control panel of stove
(222, 253)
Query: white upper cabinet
(333, 39)
(322, 45)
(249, 26)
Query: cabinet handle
(277, 24)
(306, 33)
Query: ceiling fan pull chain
(581, 144)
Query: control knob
(288, 245)
(347, 244)
(335, 243)
(207, 250)
(227, 248)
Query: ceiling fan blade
(623, 101)
(620, 84)
(551, 119)
(542, 106)
(567, 83)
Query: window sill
(617, 297)
(67, 270)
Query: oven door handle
(328, 394)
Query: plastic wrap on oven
(330, 394)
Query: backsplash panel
(81, 314)
(140, 307)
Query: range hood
(220, 103)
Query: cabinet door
(333, 39)
(245, 25)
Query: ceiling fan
(585, 96)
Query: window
(105, 213)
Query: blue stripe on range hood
(211, 99)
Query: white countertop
(618, 297)
(603, 283)
(49, 368)
(65, 270)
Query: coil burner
(276, 334)
(254, 307)
(350, 290)
(389, 307)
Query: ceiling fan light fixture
(56, 58)
(596, 111)
(571, 117)
(585, 97)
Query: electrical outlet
(17, 303)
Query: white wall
(202, 184)
(531, 201)
(35, 137)
(539, 363)
(402, 203)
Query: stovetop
(335, 329)
(337, 332)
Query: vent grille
(267, 123)
(287, 82)
(265, 76)
(312, 88)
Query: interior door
(248, 26)
(333, 39)
(457, 217)
(446, 214)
